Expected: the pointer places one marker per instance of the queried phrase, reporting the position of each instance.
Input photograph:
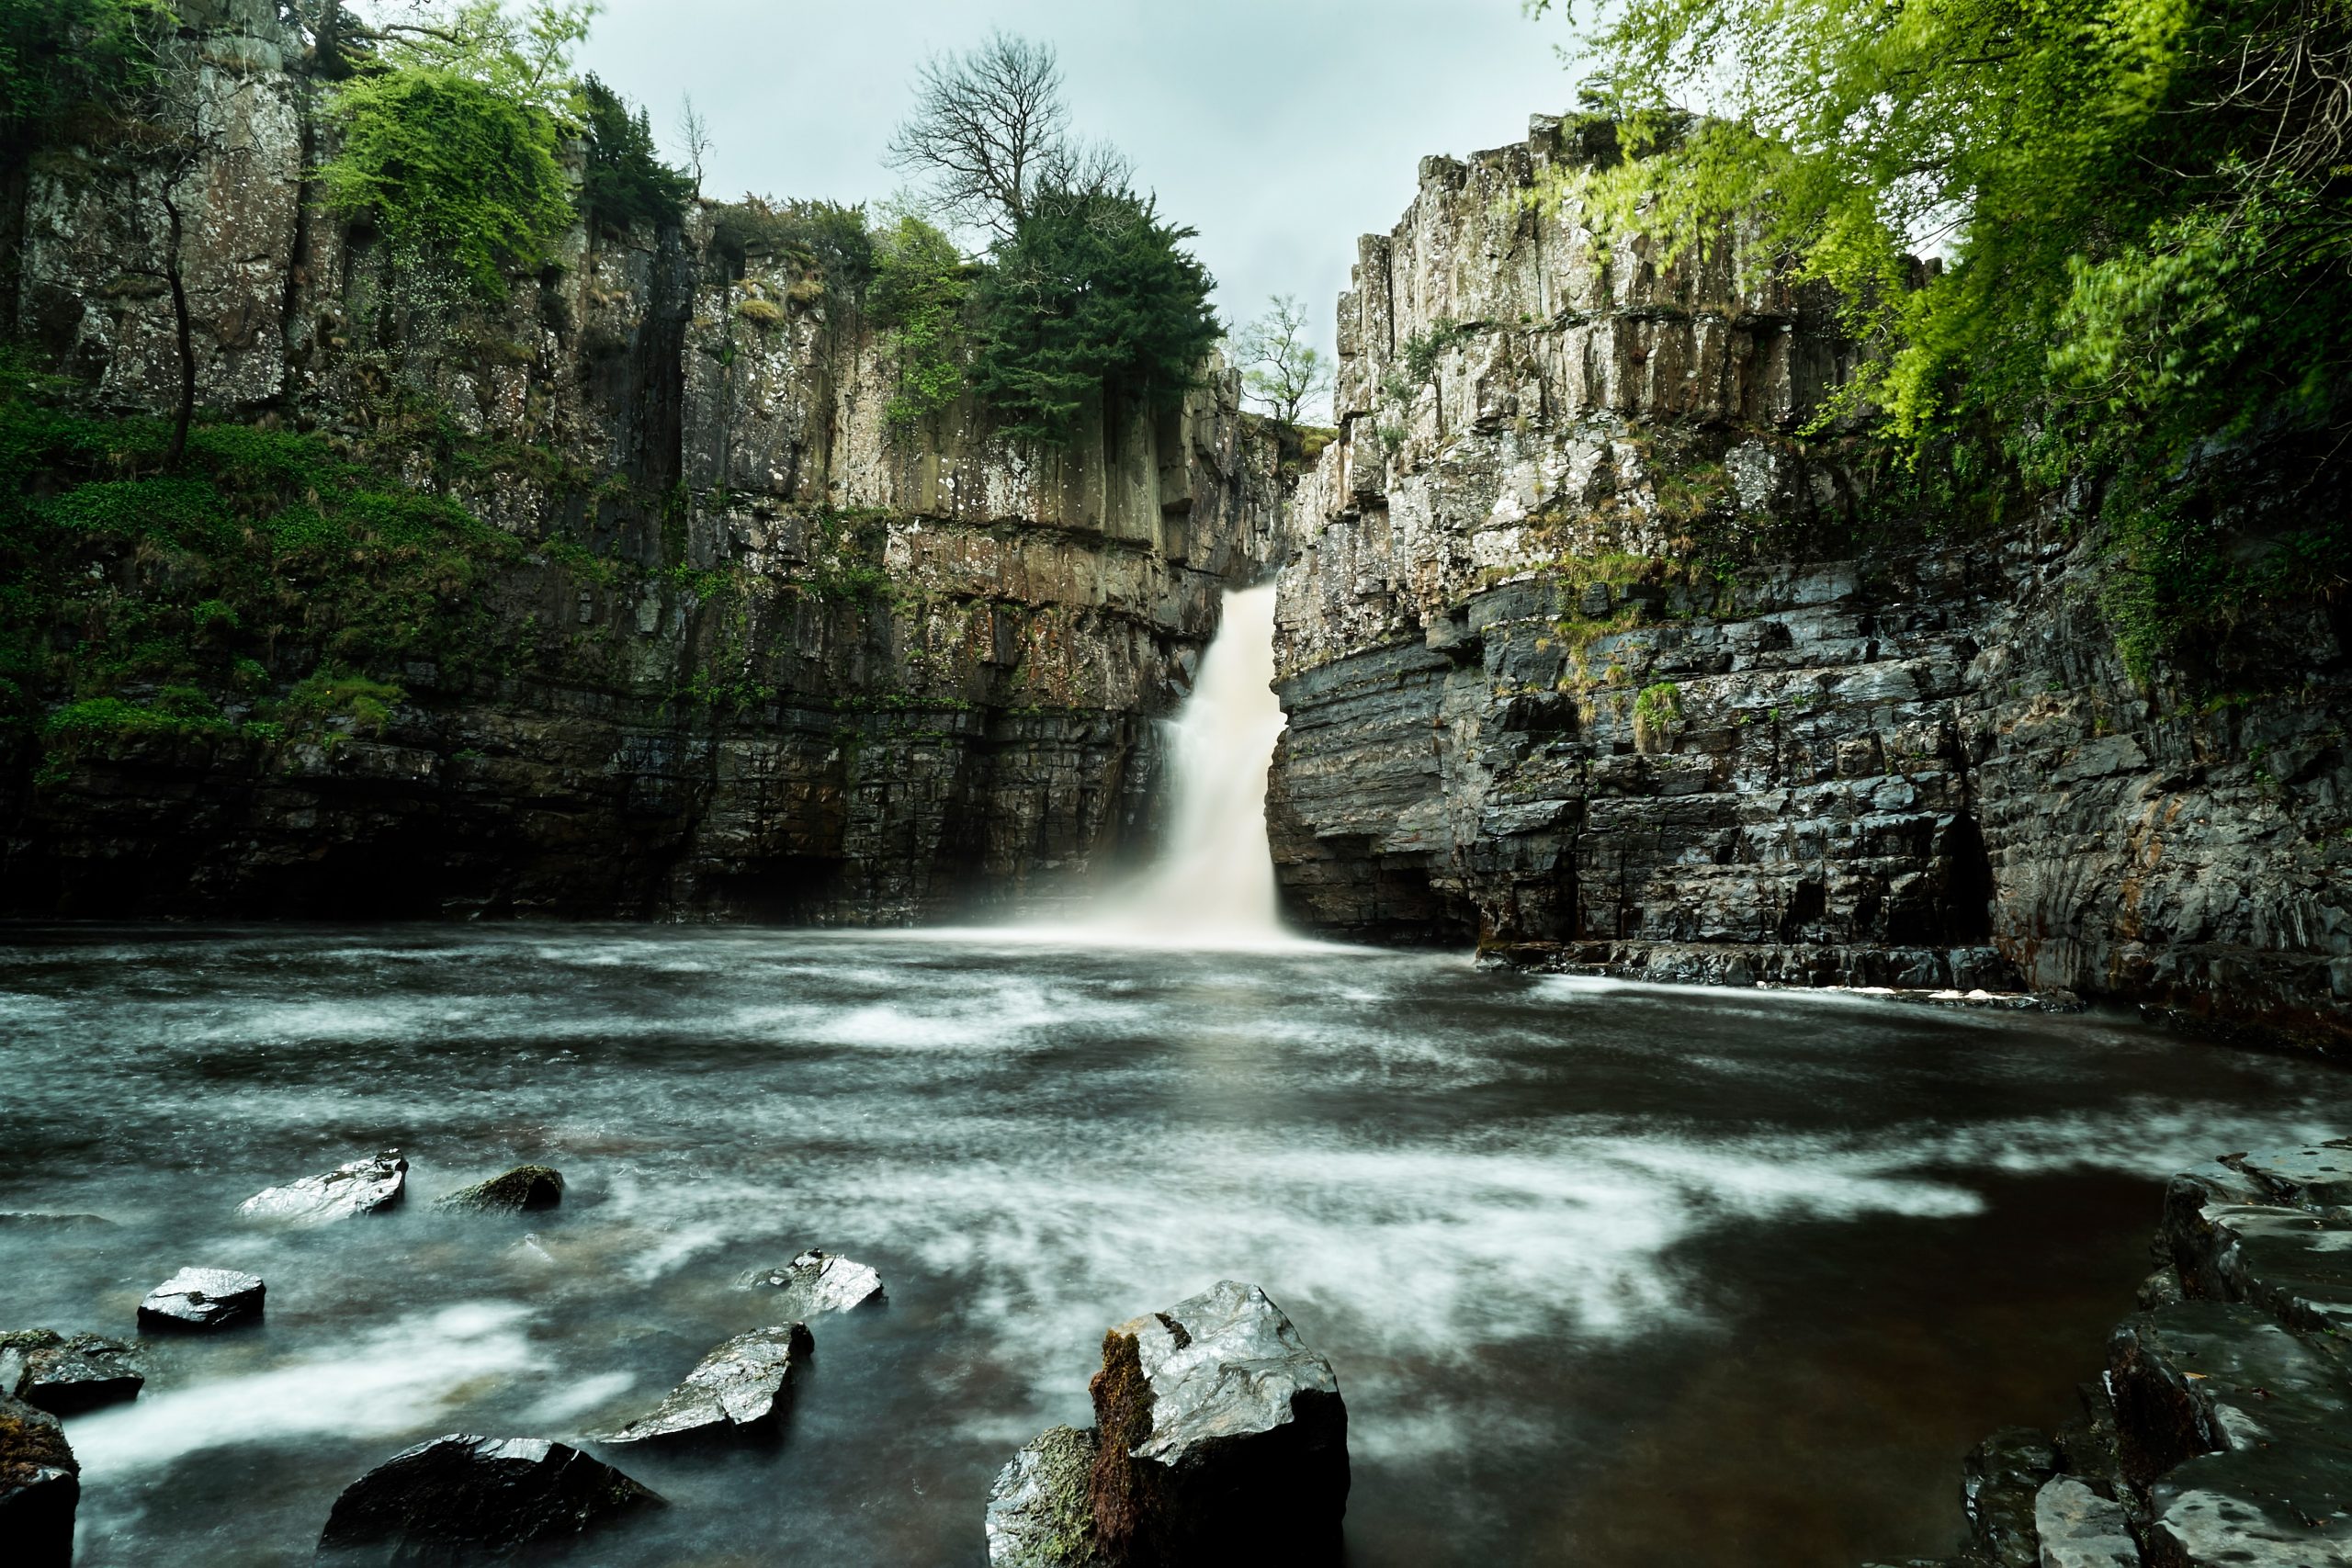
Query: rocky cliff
(738, 646)
(1590, 654)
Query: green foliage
(824, 239)
(447, 166)
(330, 694)
(58, 55)
(2145, 212)
(1092, 294)
(920, 287)
(626, 179)
(1659, 706)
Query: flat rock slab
(2260, 1509)
(741, 1387)
(461, 1498)
(820, 1282)
(40, 1486)
(1040, 1512)
(524, 1189)
(2199, 1377)
(1223, 1436)
(203, 1299)
(357, 1187)
(2079, 1529)
(64, 1376)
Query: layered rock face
(762, 654)
(1586, 657)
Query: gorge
(1680, 965)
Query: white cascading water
(1214, 881)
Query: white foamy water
(1570, 1248)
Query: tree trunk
(185, 410)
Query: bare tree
(1279, 368)
(989, 130)
(694, 138)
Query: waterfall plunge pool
(1610, 1274)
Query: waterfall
(1212, 883)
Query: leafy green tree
(58, 54)
(450, 137)
(626, 179)
(1285, 373)
(919, 294)
(2144, 210)
(1094, 293)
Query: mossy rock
(523, 1189)
(40, 1486)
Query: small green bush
(918, 296)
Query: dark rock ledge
(464, 1498)
(1219, 1438)
(2220, 1434)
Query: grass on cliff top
(274, 578)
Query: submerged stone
(741, 1387)
(40, 1486)
(524, 1189)
(461, 1498)
(366, 1186)
(65, 1376)
(818, 1281)
(1041, 1512)
(203, 1299)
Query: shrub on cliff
(626, 179)
(2145, 208)
(919, 297)
(1093, 294)
(57, 55)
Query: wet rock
(524, 1189)
(2279, 1507)
(460, 1498)
(65, 1376)
(1222, 1435)
(2004, 1474)
(366, 1186)
(1041, 1512)
(741, 1387)
(2079, 1529)
(203, 1299)
(818, 1281)
(40, 1485)
(2207, 1376)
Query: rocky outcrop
(2217, 1434)
(1589, 656)
(818, 1281)
(463, 1498)
(203, 1299)
(756, 652)
(527, 1188)
(40, 1486)
(1219, 1436)
(741, 1387)
(64, 1376)
(368, 1186)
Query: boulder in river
(820, 1282)
(65, 1376)
(203, 1299)
(524, 1189)
(40, 1485)
(366, 1186)
(461, 1498)
(1219, 1436)
(739, 1388)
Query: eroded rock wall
(1587, 657)
(762, 654)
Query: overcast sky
(1279, 129)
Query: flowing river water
(1611, 1275)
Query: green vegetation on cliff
(58, 55)
(2143, 212)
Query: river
(1610, 1274)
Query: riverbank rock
(40, 1486)
(2079, 1529)
(2002, 1476)
(460, 1498)
(1041, 1510)
(527, 1188)
(1219, 1436)
(366, 1186)
(818, 1281)
(203, 1299)
(739, 1388)
(65, 1376)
